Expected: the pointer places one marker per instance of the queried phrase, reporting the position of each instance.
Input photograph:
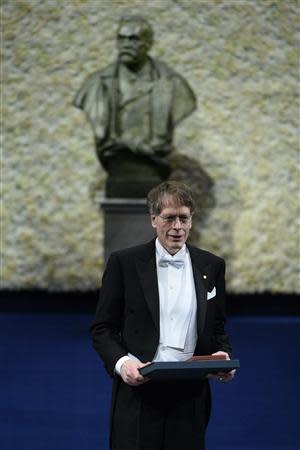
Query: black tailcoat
(127, 317)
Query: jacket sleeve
(106, 328)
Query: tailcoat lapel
(201, 280)
(146, 269)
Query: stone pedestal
(133, 176)
(126, 223)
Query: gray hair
(180, 192)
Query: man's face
(132, 45)
(172, 225)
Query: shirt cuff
(119, 364)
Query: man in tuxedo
(161, 301)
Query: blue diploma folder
(187, 370)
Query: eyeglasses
(170, 220)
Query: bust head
(134, 40)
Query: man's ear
(153, 220)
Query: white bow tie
(165, 260)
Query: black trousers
(160, 416)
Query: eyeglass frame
(172, 219)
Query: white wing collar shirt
(177, 305)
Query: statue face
(132, 45)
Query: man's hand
(224, 377)
(130, 373)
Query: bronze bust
(133, 106)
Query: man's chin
(175, 244)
